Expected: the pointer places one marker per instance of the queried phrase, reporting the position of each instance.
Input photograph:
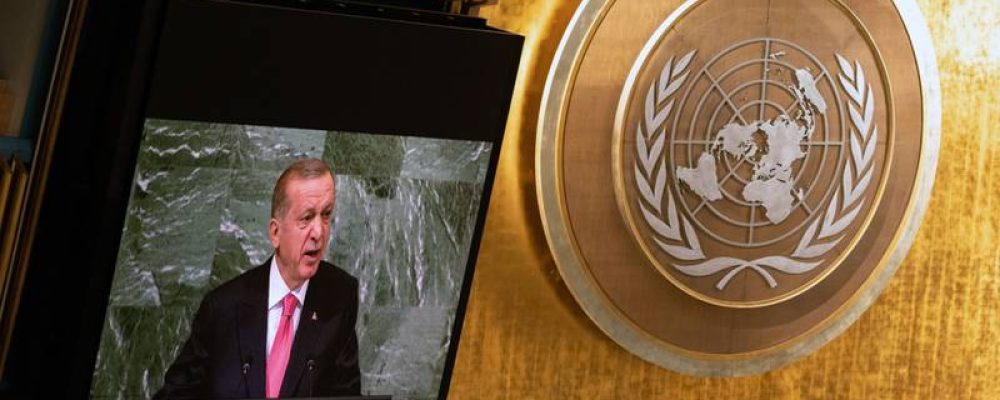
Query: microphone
(311, 365)
(245, 368)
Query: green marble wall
(198, 215)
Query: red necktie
(282, 346)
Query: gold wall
(934, 332)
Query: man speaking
(285, 328)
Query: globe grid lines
(762, 103)
(739, 111)
(784, 110)
(732, 173)
(837, 147)
(674, 233)
(740, 162)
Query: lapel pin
(314, 316)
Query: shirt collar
(277, 289)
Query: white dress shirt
(276, 291)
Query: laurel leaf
(841, 223)
(658, 226)
(831, 213)
(682, 64)
(643, 153)
(656, 150)
(709, 267)
(653, 119)
(644, 189)
(676, 84)
(870, 148)
(672, 77)
(641, 133)
(816, 250)
(661, 182)
(667, 108)
(664, 79)
(785, 264)
(680, 252)
(692, 238)
(859, 123)
(869, 112)
(672, 212)
(803, 245)
(829, 220)
(856, 154)
(640, 144)
(850, 89)
(848, 181)
(649, 109)
(859, 189)
(859, 78)
(845, 66)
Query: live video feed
(402, 215)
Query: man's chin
(308, 268)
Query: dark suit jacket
(225, 355)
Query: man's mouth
(312, 253)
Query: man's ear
(272, 232)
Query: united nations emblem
(767, 160)
(726, 185)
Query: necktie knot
(288, 305)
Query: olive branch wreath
(651, 176)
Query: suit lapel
(306, 335)
(252, 330)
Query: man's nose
(316, 228)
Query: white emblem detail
(771, 184)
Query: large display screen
(198, 215)
(180, 118)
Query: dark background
(260, 65)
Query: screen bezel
(131, 67)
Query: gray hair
(306, 168)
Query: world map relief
(771, 147)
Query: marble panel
(198, 216)
(139, 336)
(403, 350)
(445, 160)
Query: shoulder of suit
(336, 274)
(234, 289)
(330, 276)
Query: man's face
(300, 235)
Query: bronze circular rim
(626, 209)
(617, 325)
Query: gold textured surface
(934, 332)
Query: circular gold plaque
(727, 184)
